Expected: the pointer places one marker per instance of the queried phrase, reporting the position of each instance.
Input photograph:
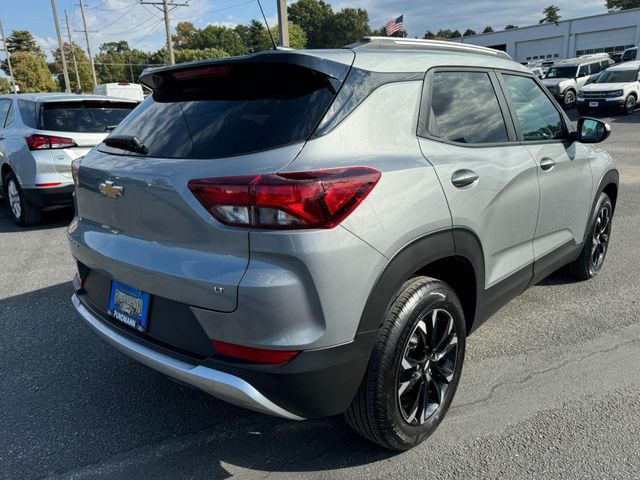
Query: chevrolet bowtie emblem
(111, 190)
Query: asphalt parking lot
(550, 389)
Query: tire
(629, 105)
(22, 213)
(569, 100)
(383, 408)
(591, 259)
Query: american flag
(394, 26)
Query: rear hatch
(237, 117)
(73, 127)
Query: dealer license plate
(129, 305)
(593, 104)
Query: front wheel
(596, 246)
(414, 369)
(629, 105)
(569, 100)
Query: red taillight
(75, 168)
(253, 355)
(315, 199)
(43, 142)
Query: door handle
(547, 163)
(464, 178)
(2, 137)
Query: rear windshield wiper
(126, 142)
(110, 128)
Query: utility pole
(86, 36)
(67, 87)
(164, 6)
(73, 52)
(167, 27)
(283, 23)
(6, 51)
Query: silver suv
(566, 77)
(317, 232)
(40, 135)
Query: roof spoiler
(155, 77)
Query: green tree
(345, 27)
(189, 55)
(617, 5)
(455, 34)
(510, 27)
(84, 68)
(254, 36)
(23, 41)
(312, 17)
(444, 33)
(550, 14)
(31, 73)
(469, 32)
(116, 62)
(185, 36)
(222, 38)
(488, 29)
(5, 85)
(429, 35)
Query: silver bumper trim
(219, 384)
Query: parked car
(324, 240)
(616, 57)
(40, 135)
(617, 89)
(631, 54)
(132, 91)
(566, 77)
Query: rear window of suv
(227, 110)
(87, 117)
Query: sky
(142, 26)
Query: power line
(167, 22)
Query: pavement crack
(536, 373)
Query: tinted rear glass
(87, 117)
(229, 110)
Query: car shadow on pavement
(55, 218)
(72, 406)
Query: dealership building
(610, 32)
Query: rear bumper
(219, 384)
(46, 197)
(317, 383)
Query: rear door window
(465, 109)
(85, 117)
(229, 110)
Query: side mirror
(591, 130)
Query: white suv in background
(566, 77)
(617, 88)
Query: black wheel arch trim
(611, 179)
(455, 243)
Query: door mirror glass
(591, 130)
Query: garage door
(605, 41)
(539, 49)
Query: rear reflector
(253, 355)
(314, 199)
(44, 142)
(46, 185)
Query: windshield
(618, 76)
(86, 117)
(562, 72)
